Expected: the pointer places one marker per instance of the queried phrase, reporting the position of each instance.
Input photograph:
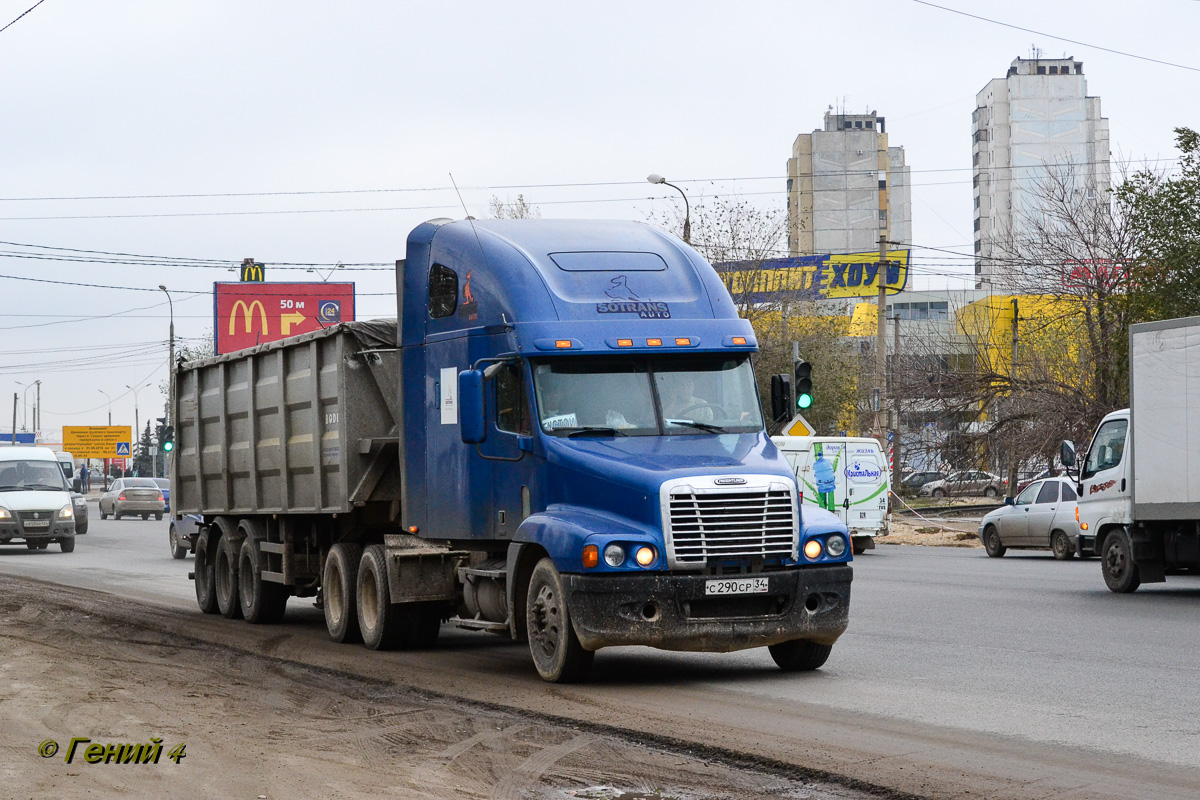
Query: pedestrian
(83, 477)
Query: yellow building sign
(98, 441)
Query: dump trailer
(1139, 483)
(558, 439)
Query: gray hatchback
(1042, 515)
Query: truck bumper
(1085, 545)
(671, 612)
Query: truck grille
(704, 524)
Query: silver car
(1042, 515)
(132, 497)
(963, 484)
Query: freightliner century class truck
(1139, 484)
(559, 439)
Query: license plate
(37, 523)
(736, 586)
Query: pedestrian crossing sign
(122, 448)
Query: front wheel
(940, 493)
(557, 653)
(991, 542)
(178, 550)
(1062, 547)
(103, 513)
(800, 655)
(67, 545)
(1120, 573)
(991, 491)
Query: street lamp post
(171, 352)
(687, 212)
(25, 403)
(137, 430)
(106, 461)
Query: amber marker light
(645, 556)
(624, 342)
(683, 342)
(591, 556)
(654, 342)
(412, 529)
(739, 340)
(812, 549)
(562, 343)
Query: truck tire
(263, 602)
(177, 550)
(1120, 573)
(991, 542)
(225, 574)
(339, 590)
(799, 655)
(380, 622)
(206, 591)
(67, 545)
(556, 651)
(1061, 544)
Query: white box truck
(852, 483)
(1139, 484)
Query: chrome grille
(718, 523)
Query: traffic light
(781, 397)
(803, 385)
(167, 440)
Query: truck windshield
(27, 476)
(647, 396)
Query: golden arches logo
(248, 316)
(253, 273)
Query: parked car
(1046, 473)
(1042, 515)
(165, 486)
(965, 483)
(914, 481)
(79, 503)
(132, 497)
(181, 529)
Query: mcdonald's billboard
(249, 314)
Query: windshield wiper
(593, 430)
(702, 426)
(9, 488)
(40, 488)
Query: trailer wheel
(206, 592)
(1063, 549)
(1120, 573)
(557, 653)
(262, 602)
(225, 569)
(339, 586)
(380, 622)
(799, 655)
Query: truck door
(1103, 476)
(510, 435)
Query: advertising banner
(252, 313)
(815, 277)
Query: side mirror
(472, 424)
(1066, 454)
(1008, 501)
(781, 397)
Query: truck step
(482, 625)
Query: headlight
(5, 513)
(614, 555)
(835, 545)
(812, 549)
(66, 512)
(645, 556)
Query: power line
(1059, 38)
(23, 13)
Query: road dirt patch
(258, 727)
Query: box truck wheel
(799, 655)
(339, 585)
(379, 621)
(206, 591)
(225, 574)
(557, 653)
(1120, 573)
(263, 602)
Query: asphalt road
(960, 675)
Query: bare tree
(513, 209)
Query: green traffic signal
(168, 446)
(804, 400)
(803, 385)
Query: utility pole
(881, 340)
(37, 411)
(897, 472)
(1012, 376)
(1012, 380)
(14, 427)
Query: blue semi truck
(559, 439)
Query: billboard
(815, 277)
(251, 313)
(98, 441)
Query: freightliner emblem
(729, 481)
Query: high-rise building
(1035, 119)
(846, 186)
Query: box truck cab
(845, 475)
(35, 501)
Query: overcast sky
(356, 113)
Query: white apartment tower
(1036, 118)
(845, 186)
